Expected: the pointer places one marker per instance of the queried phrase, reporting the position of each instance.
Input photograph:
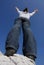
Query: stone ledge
(16, 59)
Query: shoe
(31, 57)
(10, 52)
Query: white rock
(17, 59)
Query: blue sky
(7, 16)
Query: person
(29, 43)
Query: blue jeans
(29, 42)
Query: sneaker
(31, 57)
(10, 52)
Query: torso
(24, 15)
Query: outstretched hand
(16, 7)
(36, 10)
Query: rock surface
(16, 59)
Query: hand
(16, 8)
(36, 10)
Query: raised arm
(35, 11)
(17, 9)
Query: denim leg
(13, 36)
(29, 42)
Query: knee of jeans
(15, 27)
(29, 31)
(17, 21)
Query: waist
(24, 19)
